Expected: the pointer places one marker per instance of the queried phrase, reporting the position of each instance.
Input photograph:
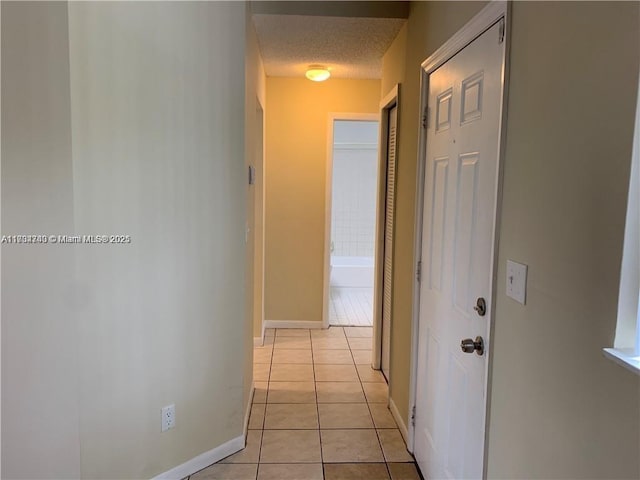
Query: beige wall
(559, 409)
(256, 95)
(296, 160)
(429, 26)
(394, 62)
(40, 423)
(566, 176)
(159, 154)
(127, 120)
(258, 253)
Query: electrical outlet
(168, 417)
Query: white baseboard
(212, 456)
(247, 410)
(292, 324)
(259, 341)
(203, 460)
(400, 421)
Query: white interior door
(457, 256)
(387, 280)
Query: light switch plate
(517, 281)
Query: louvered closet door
(387, 281)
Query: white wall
(354, 188)
(156, 126)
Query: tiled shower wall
(355, 160)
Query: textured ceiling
(351, 47)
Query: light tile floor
(351, 306)
(319, 412)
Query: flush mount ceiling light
(317, 73)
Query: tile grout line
(315, 389)
(266, 400)
(361, 382)
(386, 464)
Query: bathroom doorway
(354, 186)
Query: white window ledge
(625, 357)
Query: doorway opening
(353, 184)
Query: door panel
(458, 224)
(457, 376)
(436, 252)
(465, 219)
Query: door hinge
(419, 271)
(413, 416)
(501, 31)
(425, 117)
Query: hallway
(319, 412)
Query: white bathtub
(351, 272)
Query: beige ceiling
(352, 47)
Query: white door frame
(390, 100)
(327, 199)
(486, 18)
